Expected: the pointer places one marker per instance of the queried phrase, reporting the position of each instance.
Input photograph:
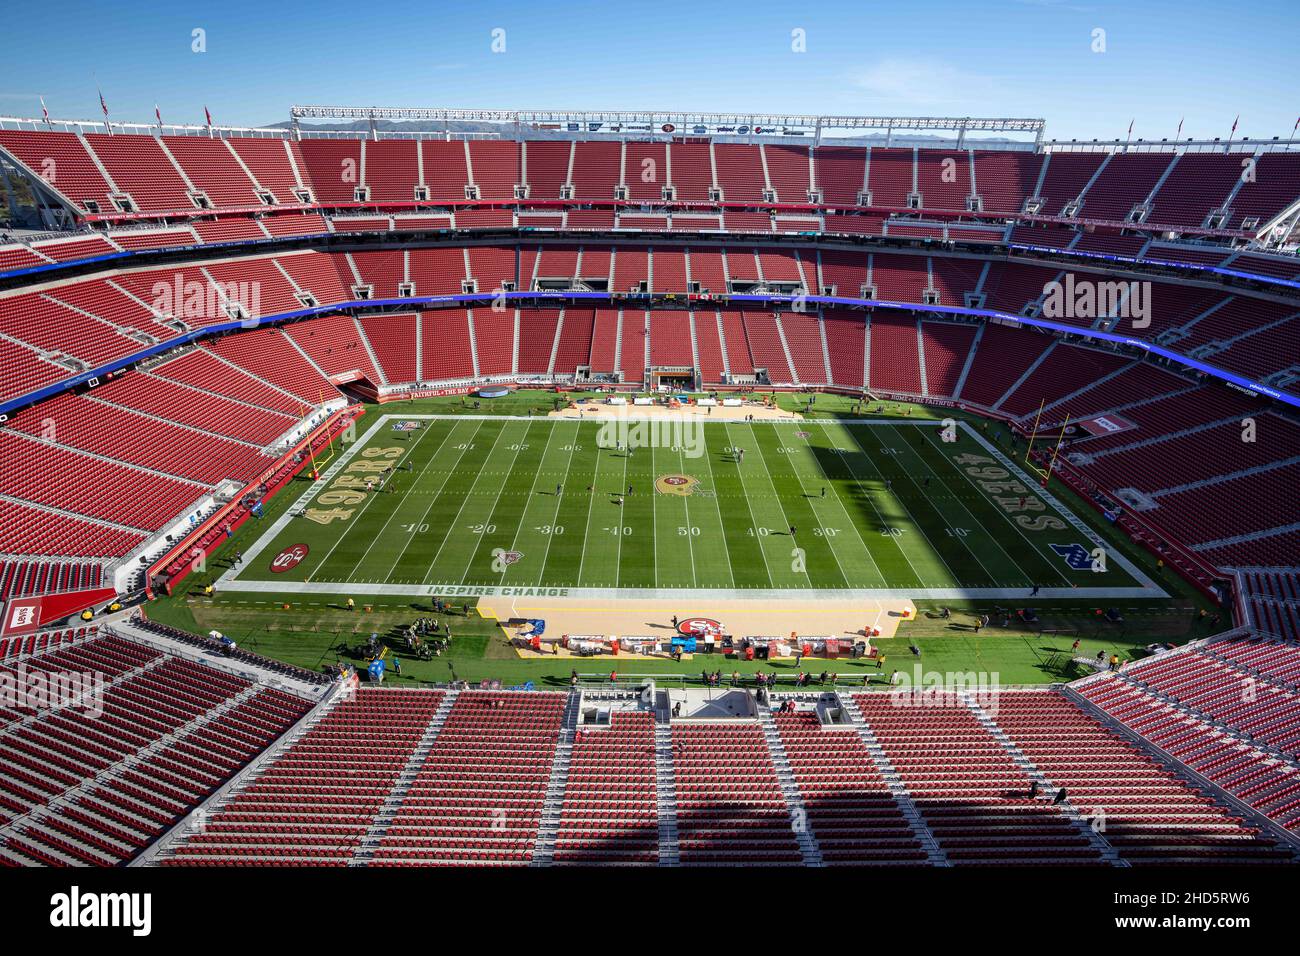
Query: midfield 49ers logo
(676, 484)
(289, 558)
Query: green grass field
(315, 623)
(520, 502)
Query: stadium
(395, 487)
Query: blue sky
(1207, 61)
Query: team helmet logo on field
(502, 559)
(289, 558)
(1076, 556)
(693, 626)
(676, 484)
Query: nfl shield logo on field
(1076, 556)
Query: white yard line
(558, 503)
(753, 522)
(910, 517)
(451, 525)
(519, 446)
(316, 487)
(514, 543)
(591, 502)
(618, 560)
(352, 525)
(722, 525)
(686, 504)
(845, 511)
(799, 478)
(1029, 492)
(433, 499)
(1153, 589)
(962, 541)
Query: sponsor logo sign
(1106, 425)
(22, 615)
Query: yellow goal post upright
(311, 444)
(1044, 473)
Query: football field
(459, 505)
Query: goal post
(1045, 473)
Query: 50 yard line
(717, 509)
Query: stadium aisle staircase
(981, 709)
(799, 822)
(544, 847)
(894, 781)
(666, 793)
(384, 817)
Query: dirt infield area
(636, 617)
(599, 411)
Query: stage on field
(739, 617)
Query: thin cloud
(925, 83)
(1057, 5)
